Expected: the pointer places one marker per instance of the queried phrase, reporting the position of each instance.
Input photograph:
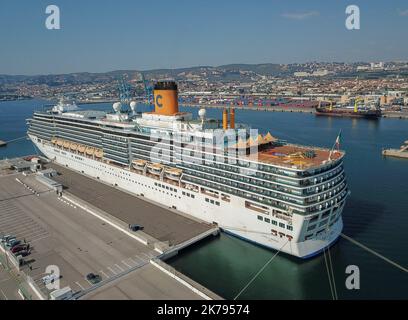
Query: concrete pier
(83, 232)
(396, 153)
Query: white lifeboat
(73, 146)
(81, 148)
(139, 164)
(154, 168)
(90, 151)
(98, 153)
(172, 173)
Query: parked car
(50, 278)
(93, 278)
(20, 247)
(4, 239)
(13, 242)
(23, 253)
(135, 227)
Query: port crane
(148, 90)
(330, 104)
(356, 101)
(125, 91)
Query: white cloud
(403, 13)
(300, 15)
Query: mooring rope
(21, 138)
(332, 273)
(374, 253)
(260, 271)
(328, 274)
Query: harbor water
(376, 212)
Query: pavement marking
(138, 258)
(111, 270)
(133, 261)
(3, 294)
(79, 285)
(89, 282)
(4, 280)
(106, 276)
(119, 267)
(148, 257)
(126, 264)
(41, 238)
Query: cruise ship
(282, 196)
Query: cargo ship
(282, 196)
(356, 111)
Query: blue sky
(105, 35)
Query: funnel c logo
(159, 104)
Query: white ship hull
(232, 217)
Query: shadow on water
(360, 214)
(234, 263)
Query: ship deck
(294, 156)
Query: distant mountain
(242, 72)
(221, 72)
(267, 69)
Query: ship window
(314, 219)
(206, 199)
(274, 222)
(267, 220)
(325, 214)
(282, 225)
(217, 203)
(323, 223)
(260, 218)
(289, 228)
(311, 227)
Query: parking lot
(158, 222)
(63, 235)
(8, 286)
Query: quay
(402, 152)
(385, 114)
(84, 229)
(396, 153)
(255, 108)
(395, 114)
